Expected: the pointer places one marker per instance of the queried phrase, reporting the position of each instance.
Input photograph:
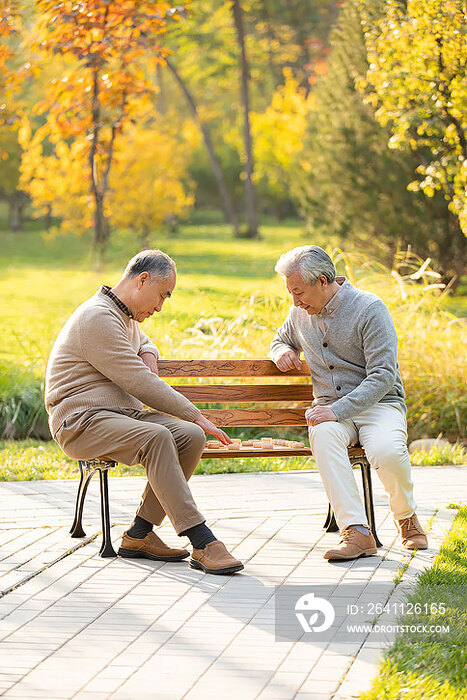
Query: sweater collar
(106, 289)
(337, 299)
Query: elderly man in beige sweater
(101, 372)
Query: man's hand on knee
(319, 414)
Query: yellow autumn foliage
(148, 182)
(279, 133)
(57, 183)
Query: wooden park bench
(260, 415)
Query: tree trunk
(101, 231)
(275, 72)
(16, 211)
(144, 238)
(161, 101)
(48, 218)
(99, 186)
(226, 200)
(101, 225)
(251, 217)
(453, 253)
(21, 205)
(13, 222)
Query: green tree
(226, 199)
(293, 34)
(352, 184)
(277, 34)
(417, 80)
(250, 199)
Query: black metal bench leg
(368, 497)
(330, 524)
(86, 476)
(106, 549)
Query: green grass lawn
(421, 666)
(228, 303)
(43, 279)
(23, 460)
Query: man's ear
(144, 276)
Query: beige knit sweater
(95, 363)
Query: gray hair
(155, 262)
(310, 261)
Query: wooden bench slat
(256, 416)
(225, 393)
(220, 453)
(246, 452)
(226, 368)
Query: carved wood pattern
(237, 393)
(226, 368)
(255, 416)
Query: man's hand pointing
(210, 429)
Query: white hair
(157, 263)
(310, 261)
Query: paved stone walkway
(73, 625)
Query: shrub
(22, 411)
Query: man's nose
(296, 301)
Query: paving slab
(73, 625)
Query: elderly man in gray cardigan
(350, 345)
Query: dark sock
(199, 535)
(139, 528)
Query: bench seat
(279, 451)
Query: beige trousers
(168, 448)
(382, 431)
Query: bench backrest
(242, 393)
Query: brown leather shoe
(412, 533)
(215, 559)
(353, 544)
(150, 547)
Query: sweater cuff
(279, 349)
(191, 413)
(342, 409)
(149, 347)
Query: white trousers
(382, 431)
